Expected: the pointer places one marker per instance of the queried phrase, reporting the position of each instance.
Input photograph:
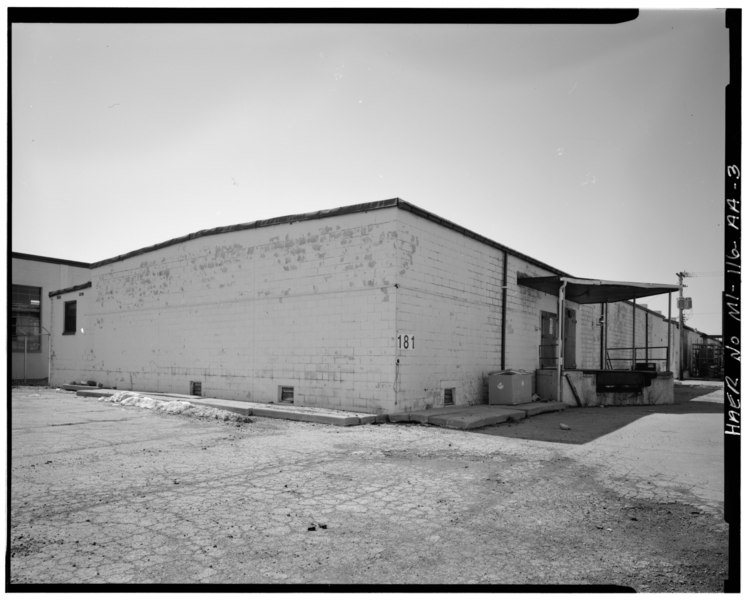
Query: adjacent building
(30, 314)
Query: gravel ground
(103, 492)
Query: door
(547, 351)
(570, 337)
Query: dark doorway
(570, 335)
(547, 351)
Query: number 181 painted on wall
(406, 342)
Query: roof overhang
(595, 291)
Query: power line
(703, 274)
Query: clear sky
(597, 149)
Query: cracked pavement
(111, 494)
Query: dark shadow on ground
(586, 424)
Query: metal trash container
(510, 387)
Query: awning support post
(634, 324)
(560, 337)
(504, 310)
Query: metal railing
(707, 361)
(643, 355)
(634, 356)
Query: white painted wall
(524, 307)
(449, 303)
(308, 304)
(376, 311)
(619, 332)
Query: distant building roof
(48, 259)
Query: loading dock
(609, 384)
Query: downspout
(504, 309)
(560, 337)
(668, 341)
(51, 329)
(603, 335)
(49, 354)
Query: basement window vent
(196, 388)
(286, 394)
(449, 396)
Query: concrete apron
(474, 416)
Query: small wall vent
(196, 388)
(286, 394)
(449, 396)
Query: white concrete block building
(378, 307)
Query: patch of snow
(174, 407)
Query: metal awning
(595, 291)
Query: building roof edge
(72, 288)
(286, 219)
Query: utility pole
(681, 305)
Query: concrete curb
(89, 393)
(451, 417)
(307, 414)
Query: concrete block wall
(657, 338)
(308, 304)
(448, 314)
(376, 311)
(589, 331)
(619, 332)
(524, 306)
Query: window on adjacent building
(71, 310)
(26, 318)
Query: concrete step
(475, 419)
(475, 416)
(537, 408)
